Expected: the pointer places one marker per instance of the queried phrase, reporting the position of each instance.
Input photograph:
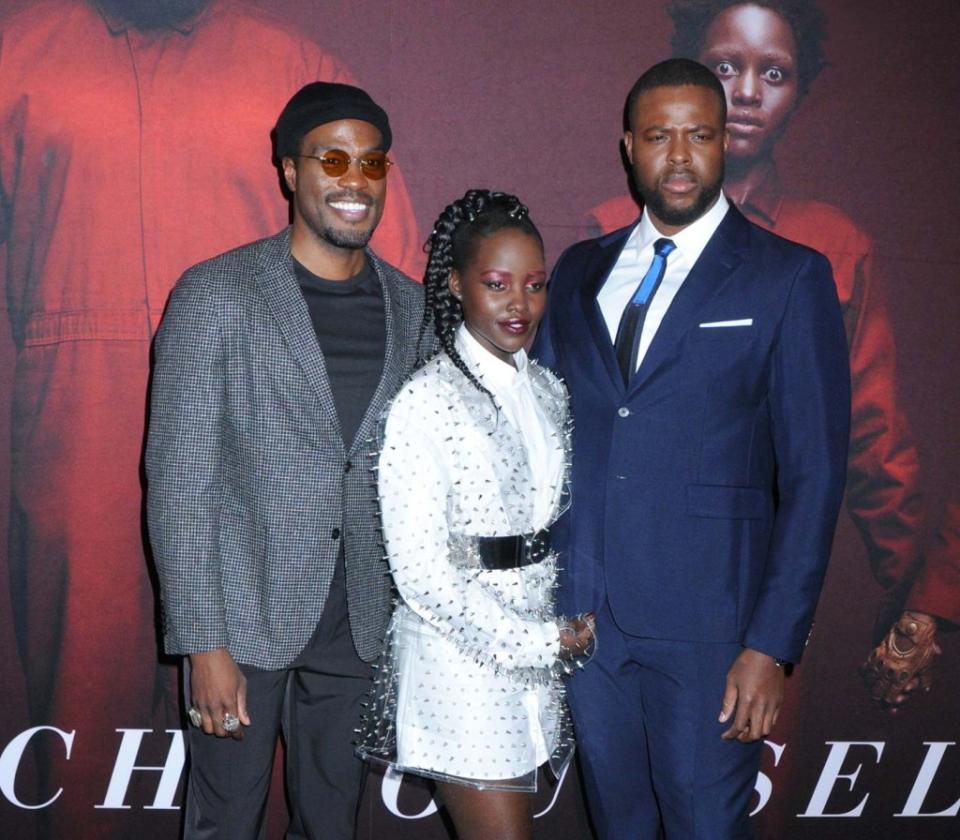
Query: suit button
(335, 534)
(623, 411)
(347, 466)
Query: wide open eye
(774, 75)
(724, 69)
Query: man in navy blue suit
(708, 373)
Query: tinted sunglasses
(336, 162)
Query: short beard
(674, 217)
(354, 239)
(153, 14)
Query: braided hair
(452, 246)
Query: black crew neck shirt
(349, 321)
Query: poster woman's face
(753, 52)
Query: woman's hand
(576, 635)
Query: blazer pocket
(741, 333)
(717, 501)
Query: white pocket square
(742, 322)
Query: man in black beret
(273, 364)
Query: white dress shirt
(635, 259)
(511, 386)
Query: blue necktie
(631, 322)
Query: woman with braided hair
(472, 473)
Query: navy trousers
(653, 761)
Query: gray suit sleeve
(184, 468)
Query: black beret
(322, 102)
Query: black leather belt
(498, 553)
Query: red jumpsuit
(937, 590)
(125, 157)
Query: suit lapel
(717, 263)
(602, 263)
(398, 340)
(278, 284)
(553, 402)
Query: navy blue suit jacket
(705, 493)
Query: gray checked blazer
(250, 487)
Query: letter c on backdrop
(10, 763)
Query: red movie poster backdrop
(125, 157)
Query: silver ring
(231, 723)
(195, 718)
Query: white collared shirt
(513, 391)
(635, 259)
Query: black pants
(316, 702)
